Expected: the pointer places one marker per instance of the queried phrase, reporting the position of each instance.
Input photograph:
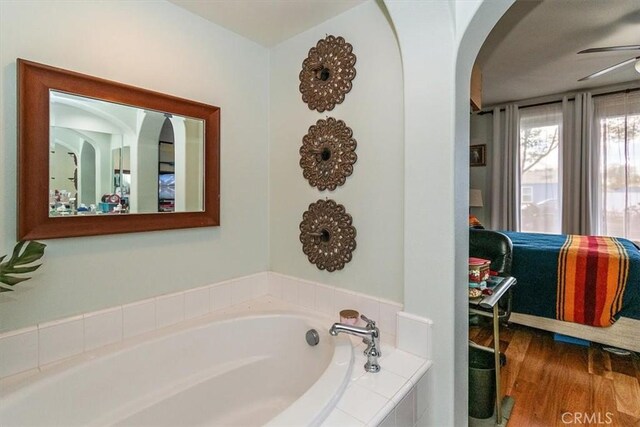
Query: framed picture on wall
(478, 155)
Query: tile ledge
(20, 331)
(415, 317)
(59, 322)
(348, 291)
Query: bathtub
(246, 370)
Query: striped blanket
(544, 286)
(592, 276)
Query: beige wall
(158, 46)
(373, 195)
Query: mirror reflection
(107, 158)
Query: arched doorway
(166, 168)
(476, 32)
(439, 42)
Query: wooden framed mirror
(100, 157)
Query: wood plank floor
(559, 384)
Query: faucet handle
(370, 323)
(372, 348)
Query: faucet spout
(372, 333)
(353, 330)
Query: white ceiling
(531, 52)
(267, 22)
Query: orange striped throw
(592, 275)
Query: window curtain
(505, 174)
(617, 118)
(540, 143)
(579, 163)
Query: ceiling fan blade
(608, 69)
(611, 49)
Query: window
(618, 131)
(526, 194)
(540, 137)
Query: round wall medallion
(327, 235)
(327, 73)
(327, 154)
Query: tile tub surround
(31, 348)
(390, 397)
(329, 300)
(395, 396)
(49, 342)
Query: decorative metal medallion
(327, 154)
(327, 73)
(327, 235)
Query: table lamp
(475, 198)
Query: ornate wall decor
(327, 235)
(327, 73)
(327, 154)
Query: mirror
(100, 157)
(92, 145)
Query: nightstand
(487, 305)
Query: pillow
(474, 222)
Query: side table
(487, 305)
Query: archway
(166, 168)
(439, 42)
(87, 181)
(475, 33)
(144, 155)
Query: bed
(539, 299)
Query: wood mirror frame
(34, 83)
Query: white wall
(373, 195)
(481, 132)
(439, 41)
(131, 42)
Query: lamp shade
(475, 198)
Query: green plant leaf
(11, 281)
(17, 264)
(20, 270)
(32, 252)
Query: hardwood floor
(559, 384)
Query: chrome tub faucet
(370, 335)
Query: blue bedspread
(535, 266)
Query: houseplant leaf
(18, 263)
(32, 252)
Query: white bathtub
(244, 371)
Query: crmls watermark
(587, 418)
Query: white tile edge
(348, 291)
(91, 314)
(376, 300)
(417, 376)
(88, 315)
(404, 390)
(20, 331)
(415, 317)
(414, 334)
(151, 300)
(61, 321)
(383, 413)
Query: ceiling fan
(613, 67)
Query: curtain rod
(539, 104)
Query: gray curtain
(579, 162)
(505, 169)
